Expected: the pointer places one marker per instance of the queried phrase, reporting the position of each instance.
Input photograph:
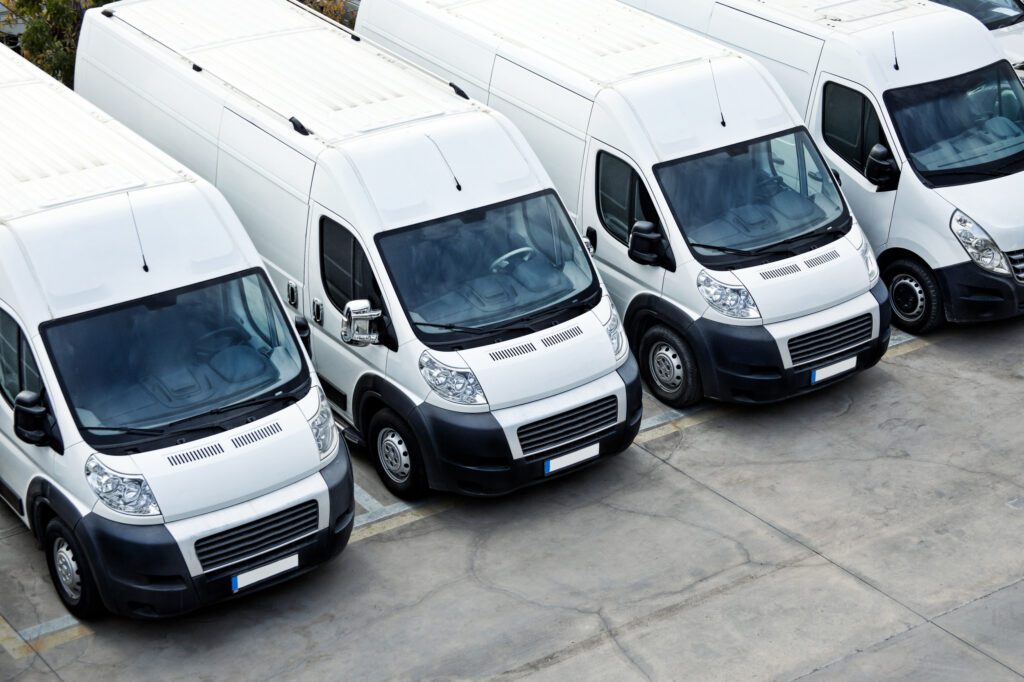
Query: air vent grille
(822, 259)
(247, 439)
(831, 340)
(256, 537)
(195, 455)
(513, 352)
(781, 272)
(561, 337)
(568, 426)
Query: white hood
(1011, 42)
(996, 205)
(807, 283)
(545, 363)
(229, 468)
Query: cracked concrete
(869, 531)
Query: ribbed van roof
(58, 149)
(294, 62)
(849, 16)
(603, 40)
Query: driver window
(622, 198)
(18, 371)
(850, 125)
(344, 267)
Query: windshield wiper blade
(820, 232)
(953, 172)
(125, 430)
(252, 402)
(455, 328)
(766, 251)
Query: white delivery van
(1004, 19)
(718, 229)
(922, 119)
(161, 432)
(458, 323)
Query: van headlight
(616, 335)
(868, 254)
(121, 492)
(456, 385)
(728, 299)
(325, 433)
(979, 246)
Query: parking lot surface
(870, 531)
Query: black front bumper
(469, 453)
(971, 294)
(141, 573)
(744, 365)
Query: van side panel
(159, 100)
(792, 57)
(397, 27)
(554, 119)
(267, 183)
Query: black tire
(78, 588)
(670, 368)
(915, 297)
(396, 455)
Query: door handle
(592, 239)
(318, 311)
(835, 174)
(293, 294)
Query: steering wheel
(769, 186)
(219, 339)
(503, 261)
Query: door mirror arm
(358, 324)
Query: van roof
(604, 41)
(65, 150)
(845, 16)
(295, 63)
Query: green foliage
(51, 32)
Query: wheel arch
(45, 501)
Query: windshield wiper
(125, 430)
(252, 402)
(766, 251)
(954, 173)
(820, 232)
(456, 328)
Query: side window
(622, 198)
(344, 266)
(850, 125)
(18, 371)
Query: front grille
(1017, 264)
(568, 426)
(258, 536)
(830, 340)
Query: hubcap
(666, 367)
(908, 299)
(67, 569)
(394, 455)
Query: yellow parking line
(399, 520)
(14, 645)
(55, 639)
(904, 348)
(684, 423)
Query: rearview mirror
(302, 327)
(881, 169)
(31, 418)
(357, 323)
(645, 243)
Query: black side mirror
(881, 169)
(302, 327)
(645, 243)
(31, 418)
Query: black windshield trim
(735, 262)
(981, 171)
(465, 341)
(115, 445)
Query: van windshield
(754, 202)
(490, 271)
(159, 364)
(993, 13)
(962, 129)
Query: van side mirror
(357, 324)
(881, 169)
(302, 327)
(647, 246)
(31, 419)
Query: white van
(720, 233)
(161, 432)
(1004, 19)
(922, 118)
(459, 325)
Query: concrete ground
(870, 531)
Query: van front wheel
(396, 455)
(70, 572)
(915, 297)
(670, 368)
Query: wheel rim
(67, 569)
(394, 455)
(908, 298)
(666, 367)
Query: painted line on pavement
(410, 515)
(382, 513)
(14, 645)
(367, 501)
(50, 626)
